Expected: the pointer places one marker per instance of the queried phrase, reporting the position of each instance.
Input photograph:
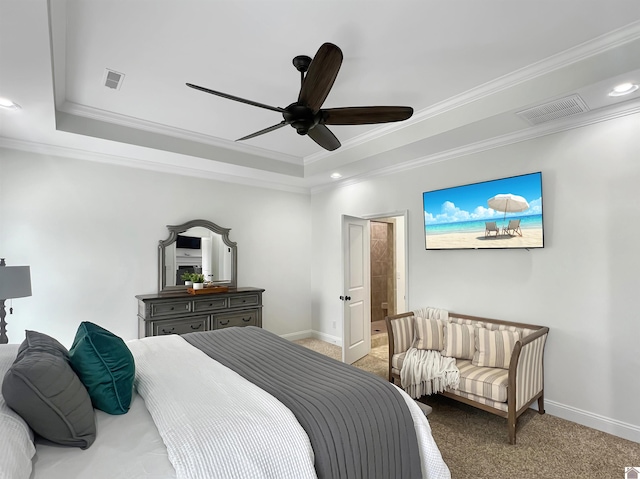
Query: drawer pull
(246, 320)
(172, 308)
(196, 327)
(224, 323)
(167, 331)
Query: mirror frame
(174, 231)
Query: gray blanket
(359, 424)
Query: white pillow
(16, 438)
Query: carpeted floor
(474, 443)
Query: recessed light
(335, 176)
(623, 89)
(8, 104)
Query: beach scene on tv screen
(503, 213)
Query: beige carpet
(474, 443)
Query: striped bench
(507, 390)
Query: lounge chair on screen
(513, 228)
(491, 227)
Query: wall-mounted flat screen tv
(503, 213)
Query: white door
(356, 294)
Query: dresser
(181, 312)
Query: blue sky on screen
(469, 202)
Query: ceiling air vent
(568, 106)
(112, 79)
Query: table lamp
(15, 282)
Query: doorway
(367, 328)
(388, 269)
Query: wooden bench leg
(511, 425)
(541, 404)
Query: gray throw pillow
(44, 390)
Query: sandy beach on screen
(531, 238)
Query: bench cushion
(397, 360)
(490, 383)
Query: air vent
(112, 79)
(568, 106)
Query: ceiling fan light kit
(306, 115)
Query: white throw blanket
(425, 371)
(432, 313)
(215, 423)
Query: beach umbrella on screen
(508, 203)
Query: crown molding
(589, 118)
(84, 111)
(593, 47)
(586, 119)
(75, 153)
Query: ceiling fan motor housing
(301, 117)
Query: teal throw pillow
(105, 366)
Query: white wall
(90, 233)
(583, 284)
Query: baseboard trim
(310, 333)
(298, 335)
(592, 420)
(327, 338)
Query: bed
(240, 402)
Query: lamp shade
(15, 282)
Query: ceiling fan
(306, 115)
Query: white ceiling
(465, 66)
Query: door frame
(405, 214)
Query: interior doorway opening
(388, 269)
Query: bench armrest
(526, 370)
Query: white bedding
(16, 439)
(126, 447)
(129, 446)
(242, 432)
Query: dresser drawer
(209, 304)
(181, 326)
(170, 308)
(244, 300)
(241, 318)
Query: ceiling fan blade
(323, 71)
(235, 98)
(364, 115)
(262, 132)
(323, 137)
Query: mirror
(198, 246)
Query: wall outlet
(334, 325)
